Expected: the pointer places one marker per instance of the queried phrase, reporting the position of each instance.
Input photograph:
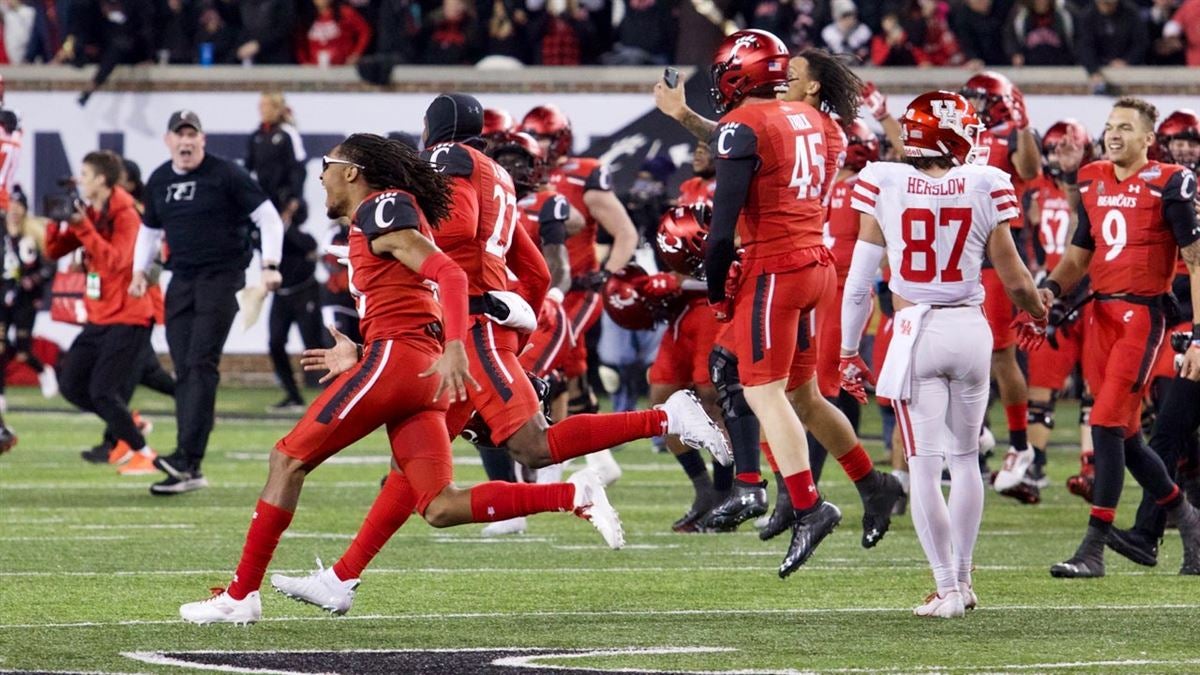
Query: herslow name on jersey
(936, 229)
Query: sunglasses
(327, 160)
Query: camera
(61, 205)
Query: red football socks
(580, 435)
(766, 450)
(390, 511)
(751, 477)
(497, 500)
(266, 526)
(856, 463)
(1104, 514)
(1018, 424)
(802, 490)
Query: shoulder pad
(386, 212)
(451, 159)
(735, 140)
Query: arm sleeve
(526, 262)
(144, 251)
(270, 225)
(1083, 229)
(297, 172)
(856, 300)
(1179, 207)
(385, 213)
(733, 186)
(552, 221)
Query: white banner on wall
(137, 121)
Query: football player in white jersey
(935, 215)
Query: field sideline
(93, 569)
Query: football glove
(853, 371)
(1031, 332)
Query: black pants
(200, 313)
(148, 373)
(20, 316)
(96, 371)
(1174, 431)
(297, 305)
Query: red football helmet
(996, 92)
(628, 307)
(1181, 125)
(521, 155)
(681, 235)
(747, 61)
(862, 146)
(1071, 128)
(547, 121)
(497, 122)
(940, 124)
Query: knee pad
(1041, 412)
(585, 402)
(722, 369)
(1085, 410)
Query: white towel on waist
(895, 378)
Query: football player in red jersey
(1008, 144)
(586, 184)
(816, 79)
(1048, 218)
(414, 355)
(1179, 134)
(699, 188)
(1135, 217)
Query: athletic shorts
(506, 399)
(772, 323)
(1122, 345)
(683, 353)
(550, 344)
(999, 310)
(583, 311)
(383, 390)
(1049, 367)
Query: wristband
(1051, 285)
(1196, 335)
(452, 292)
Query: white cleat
(1016, 463)
(987, 441)
(761, 521)
(687, 420)
(48, 381)
(949, 606)
(322, 588)
(554, 473)
(221, 608)
(503, 528)
(591, 503)
(604, 464)
(970, 600)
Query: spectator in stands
(1185, 24)
(646, 35)
(979, 27)
(1163, 50)
(562, 33)
(220, 37)
(178, 21)
(111, 33)
(927, 24)
(399, 26)
(704, 23)
(451, 35)
(334, 33)
(1040, 34)
(891, 47)
(779, 17)
(506, 31)
(847, 35)
(1112, 34)
(49, 29)
(18, 19)
(108, 352)
(266, 33)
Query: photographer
(94, 372)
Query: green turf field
(92, 568)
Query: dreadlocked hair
(841, 89)
(389, 164)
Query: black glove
(592, 281)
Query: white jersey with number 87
(936, 229)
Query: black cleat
(98, 454)
(1134, 546)
(691, 521)
(1191, 490)
(174, 465)
(193, 480)
(1081, 485)
(1189, 530)
(745, 502)
(877, 508)
(810, 528)
(8, 440)
(1088, 561)
(1024, 492)
(781, 518)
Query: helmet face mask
(992, 96)
(746, 62)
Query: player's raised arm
(672, 103)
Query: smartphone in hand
(671, 77)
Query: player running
(1135, 217)
(398, 381)
(1008, 144)
(935, 216)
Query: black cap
(453, 117)
(184, 118)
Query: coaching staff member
(205, 205)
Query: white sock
(931, 519)
(902, 476)
(966, 509)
